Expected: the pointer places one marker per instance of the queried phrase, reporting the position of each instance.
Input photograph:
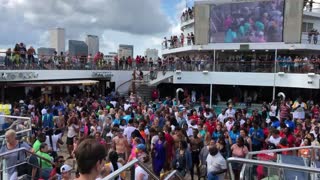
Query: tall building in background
(57, 39)
(44, 51)
(110, 57)
(93, 44)
(151, 53)
(78, 48)
(125, 51)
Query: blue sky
(169, 6)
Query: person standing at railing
(22, 51)
(192, 38)
(188, 39)
(130, 62)
(7, 60)
(182, 39)
(31, 52)
(14, 158)
(16, 55)
(315, 37)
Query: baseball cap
(141, 147)
(65, 168)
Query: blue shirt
(234, 136)
(290, 124)
(275, 124)
(258, 133)
(127, 118)
(116, 121)
(47, 121)
(216, 135)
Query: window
(306, 27)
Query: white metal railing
(19, 119)
(4, 168)
(252, 153)
(268, 164)
(136, 161)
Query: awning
(72, 82)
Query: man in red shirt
(194, 117)
(211, 125)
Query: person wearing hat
(141, 174)
(66, 172)
(229, 124)
(230, 111)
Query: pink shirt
(239, 151)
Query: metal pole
(210, 95)
(274, 74)
(214, 60)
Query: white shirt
(273, 109)
(216, 163)
(55, 139)
(222, 117)
(154, 139)
(114, 103)
(189, 131)
(126, 106)
(71, 131)
(274, 141)
(128, 131)
(231, 112)
(229, 125)
(139, 171)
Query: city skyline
(114, 22)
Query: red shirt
(170, 143)
(195, 118)
(315, 113)
(211, 126)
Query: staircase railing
(128, 165)
(294, 150)
(18, 120)
(136, 161)
(145, 77)
(269, 165)
(4, 169)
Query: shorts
(70, 140)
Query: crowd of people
(187, 14)
(247, 22)
(103, 133)
(176, 41)
(313, 36)
(22, 58)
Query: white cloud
(139, 22)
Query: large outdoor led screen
(245, 22)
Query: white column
(210, 95)
(274, 74)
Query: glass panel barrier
(258, 170)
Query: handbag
(23, 168)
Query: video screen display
(245, 22)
